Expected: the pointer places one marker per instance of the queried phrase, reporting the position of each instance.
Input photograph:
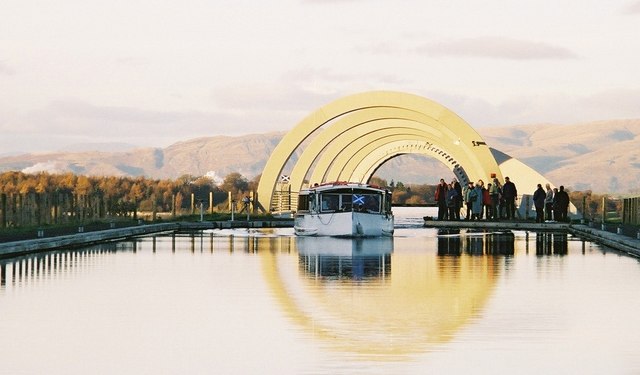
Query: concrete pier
(16, 248)
(616, 241)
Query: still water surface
(265, 301)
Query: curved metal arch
(352, 156)
(464, 153)
(367, 167)
(425, 122)
(338, 153)
(345, 130)
(433, 115)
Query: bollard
(112, 225)
(638, 235)
(619, 230)
(40, 232)
(603, 227)
(80, 229)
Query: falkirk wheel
(350, 138)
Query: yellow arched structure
(348, 135)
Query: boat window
(366, 202)
(346, 202)
(330, 202)
(312, 202)
(303, 202)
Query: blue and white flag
(358, 199)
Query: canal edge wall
(17, 248)
(619, 242)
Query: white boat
(344, 209)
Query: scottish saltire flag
(358, 199)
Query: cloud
(497, 48)
(558, 109)
(329, 1)
(52, 167)
(632, 8)
(5, 69)
(65, 122)
(285, 97)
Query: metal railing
(631, 211)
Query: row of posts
(247, 202)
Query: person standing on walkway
(486, 201)
(458, 188)
(476, 200)
(556, 210)
(510, 194)
(562, 199)
(467, 200)
(548, 203)
(441, 199)
(452, 202)
(494, 193)
(539, 197)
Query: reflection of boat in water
(353, 258)
(344, 209)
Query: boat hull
(344, 224)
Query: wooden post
(193, 204)
(173, 205)
(211, 202)
(3, 210)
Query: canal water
(264, 301)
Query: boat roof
(339, 185)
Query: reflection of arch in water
(422, 302)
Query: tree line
(43, 198)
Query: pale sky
(154, 72)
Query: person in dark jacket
(467, 200)
(562, 200)
(441, 198)
(538, 200)
(459, 199)
(510, 193)
(452, 202)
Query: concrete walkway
(616, 241)
(16, 248)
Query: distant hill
(600, 156)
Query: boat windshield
(363, 201)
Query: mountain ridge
(602, 156)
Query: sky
(155, 72)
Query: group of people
(496, 201)
(551, 205)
